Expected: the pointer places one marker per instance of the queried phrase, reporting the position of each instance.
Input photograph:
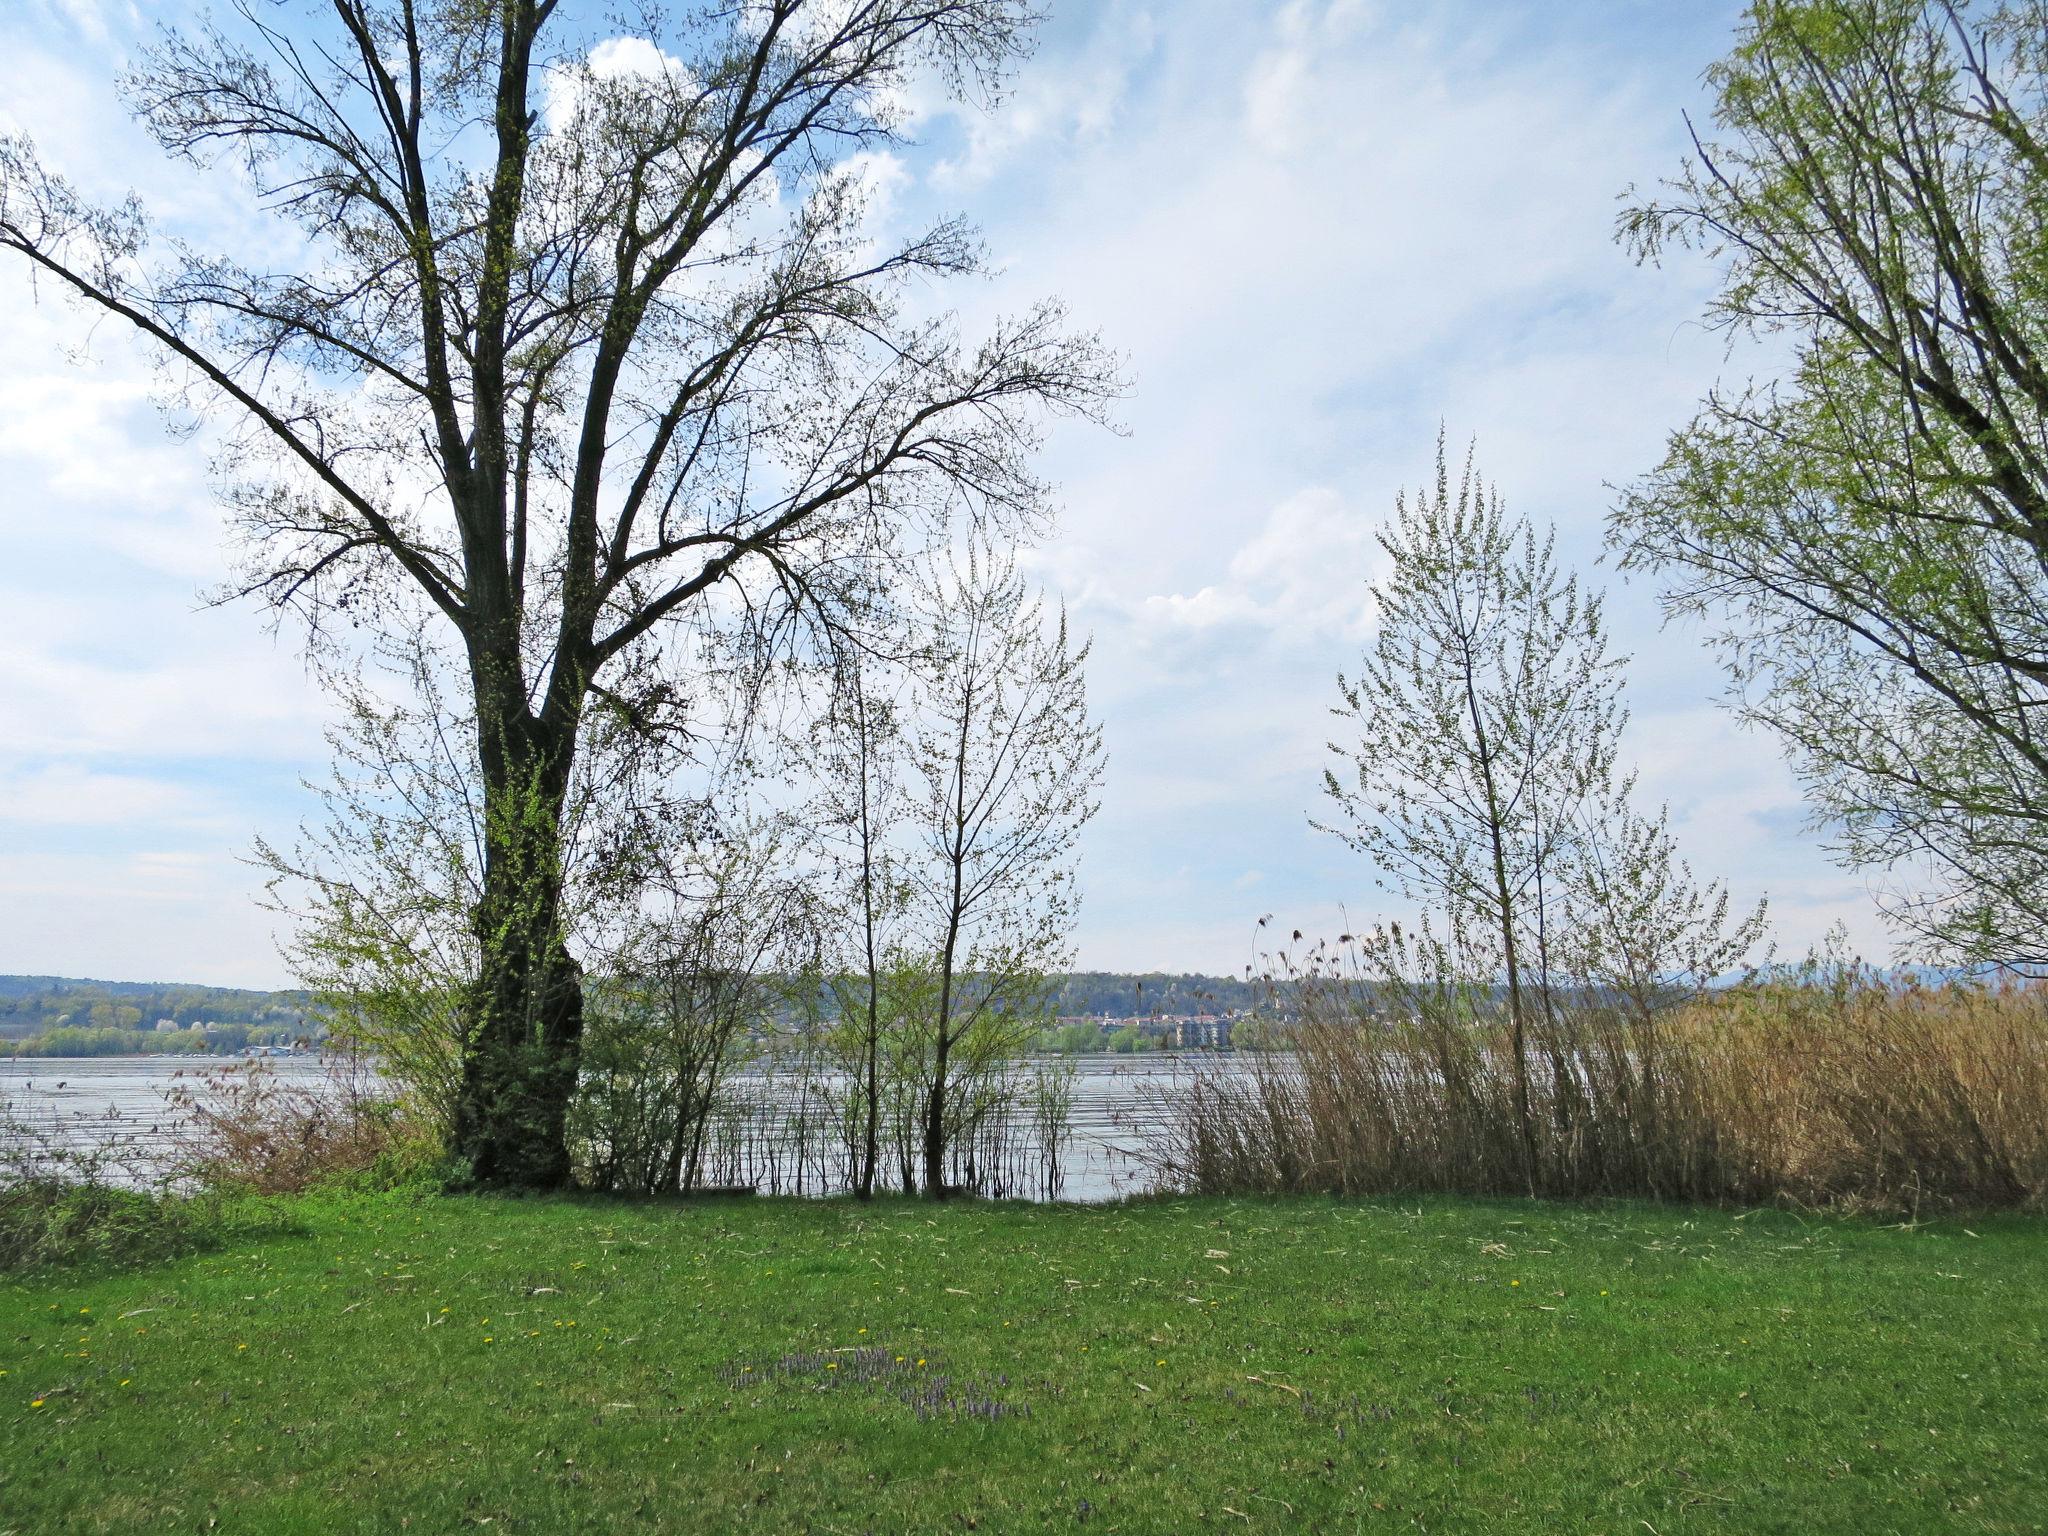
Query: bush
(248, 1130)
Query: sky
(1315, 232)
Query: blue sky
(1315, 231)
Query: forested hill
(30, 1005)
(1128, 995)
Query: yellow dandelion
(125, 1380)
(37, 1403)
(831, 1365)
(1514, 1282)
(487, 1339)
(1159, 1362)
(241, 1346)
(861, 1330)
(920, 1362)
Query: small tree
(1483, 784)
(1640, 928)
(1486, 718)
(381, 890)
(1007, 767)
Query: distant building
(1200, 1032)
(166, 1026)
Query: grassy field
(550, 1366)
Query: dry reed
(1854, 1096)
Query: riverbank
(561, 1365)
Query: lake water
(122, 1103)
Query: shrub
(248, 1129)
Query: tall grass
(1849, 1094)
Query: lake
(121, 1103)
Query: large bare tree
(587, 347)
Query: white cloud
(73, 795)
(613, 58)
(1391, 224)
(1076, 102)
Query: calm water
(122, 1101)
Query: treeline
(67, 1041)
(1142, 995)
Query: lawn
(555, 1365)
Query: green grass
(1307, 1365)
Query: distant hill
(71, 1015)
(71, 986)
(1138, 995)
(31, 1004)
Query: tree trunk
(935, 1108)
(1517, 1027)
(872, 1146)
(935, 1123)
(520, 1065)
(1505, 913)
(523, 1046)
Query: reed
(1852, 1095)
